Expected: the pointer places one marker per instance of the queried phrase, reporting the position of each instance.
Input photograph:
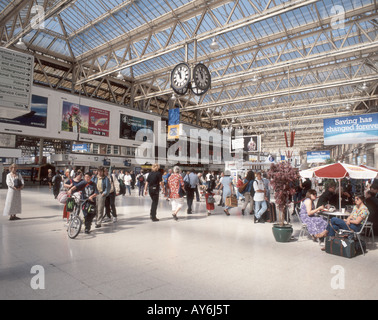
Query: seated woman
(315, 224)
(353, 223)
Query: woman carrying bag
(176, 186)
(15, 184)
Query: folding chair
(304, 231)
(358, 234)
(369, 228)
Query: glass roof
(258, 42)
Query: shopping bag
(62, 197)
(231, 201)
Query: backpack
(210, 199)
(89, 207)
(141, 178)
(243, 187)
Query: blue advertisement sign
(351, 130)
(37, 117)
(318, 156)
(80, 147)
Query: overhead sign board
(318, 156)
(16, 79)
(351, 130)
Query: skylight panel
(61, 47)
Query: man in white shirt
(127, 179)
(259, 198)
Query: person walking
(15, 184)
(259, 199)
(141, 181)
(110, 199)
(67, 184)
(127, 181)
(153, 183)
(192, 182)
(227, 190)
(56, 181)
(249, 191)
(209, 197)
(175, 184)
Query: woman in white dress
(15, 184)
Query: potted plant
(282, 178)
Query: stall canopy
(339, 171)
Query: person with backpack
(209, 196)
(88, 192)
(239, 183)
(141, 181)
(249, 192)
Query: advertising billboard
(82, 119)
(37, 117)
(252, 144)
(130, 125)
(318, 156)
(351, 130)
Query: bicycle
(74, 221)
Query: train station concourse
(188, 150)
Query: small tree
(283, 178)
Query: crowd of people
(100, 187)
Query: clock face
(197, 91)
(182, 91)
(180, 78)
(201, 77)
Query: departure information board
(16, 79)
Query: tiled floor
(198, 257)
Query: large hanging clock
(197, 91)
(180, 78)
(201, 78)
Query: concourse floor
(196, 258)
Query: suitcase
(271, 214)
(341, 246)
(232, 202)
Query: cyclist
(88, 192)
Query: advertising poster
(37, 117)
(252, 144)
(130, 125)
(82, 119)
(174, 124)
(351, 130)
(318, 156)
